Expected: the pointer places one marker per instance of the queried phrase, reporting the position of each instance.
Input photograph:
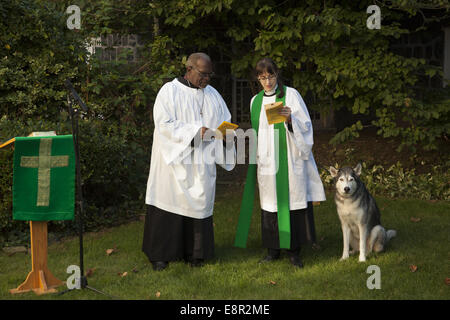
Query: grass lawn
(236, 274)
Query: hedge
(114, 167)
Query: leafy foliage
(114, 172)
(115, 134)
(324, 49)
(327, 51)
(398, 182)
(37, 54)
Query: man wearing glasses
(181, 185)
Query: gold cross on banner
(44, 162)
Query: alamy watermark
(74, 280)
(374, 281)
(374, 20)
(214, 148)
(74, 20)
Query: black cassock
(302, 228)
(169, 236)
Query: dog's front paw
(362, 259)
(344, 257)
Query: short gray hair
(194, 57)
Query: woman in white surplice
(182, 179)
(304, 183)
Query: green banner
(44, 178)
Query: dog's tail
(390, 234)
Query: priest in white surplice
(182, 180)
(287, 174)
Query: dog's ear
(333, 171)
(357, 169)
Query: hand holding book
(276, 112)
(285, 112)
(226, 126)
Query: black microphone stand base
(74, 119)
(84, 285)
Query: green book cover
(44, 178)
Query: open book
(272, 110)
(226, 125)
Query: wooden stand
(40, 279)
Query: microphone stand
(74, 114)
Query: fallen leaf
(272, 282)
(124, 274)
(90, 272)
(414, 219)
(111, 251)
(158, 294)
(413, 268)
(447, 281)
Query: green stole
(282, 182)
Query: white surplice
(182, 178)
(304, 179)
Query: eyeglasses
(203, 74)
(270, 78)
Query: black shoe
(296, 261)
(197, 263)
(269, 258)
(159, 265)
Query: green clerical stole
(282, 182)
(44, 178)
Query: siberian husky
(359, 214)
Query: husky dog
(359, 214)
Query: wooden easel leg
(42, 282)
(40, 279)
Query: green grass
(236, 274)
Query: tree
(326, 50)
(37, 54)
